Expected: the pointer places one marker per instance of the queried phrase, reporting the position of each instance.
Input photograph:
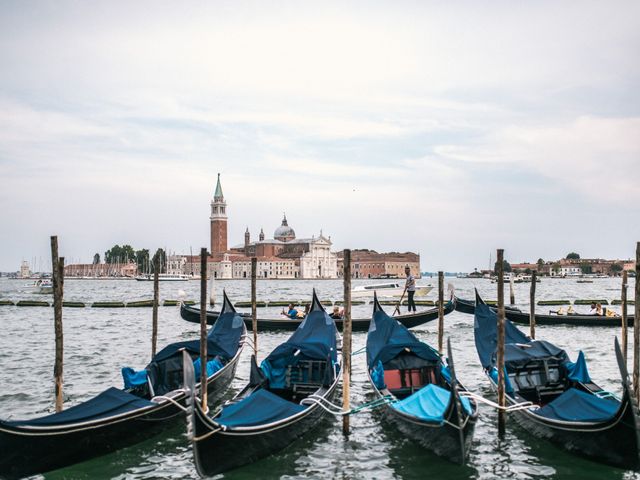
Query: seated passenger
(560, 311)
(570, 310)
(593, 310)
(337, 313)
(599, 309)
(292, 312)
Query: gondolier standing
(411, 288)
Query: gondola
(425, 402)
(279, 404)
(567, 408)
(518, 316)
(151, 402)
(192, 314)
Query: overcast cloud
(450, 128)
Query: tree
(540, 263)
(506, 267)
(573, 256)
(586, 268)
(616, 268)
(163, 260)
(118, 254)
(96, 259)
(142, 260)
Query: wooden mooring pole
(156, 296)
(346, 342)
(532, 306)
(512, 293)
(57, 272)
(623, 298)
(440, 311)
(203, 328)
(502, 416)
(254, 314)
(636, 327)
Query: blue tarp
(259, 408)
(387, 338)
(578, 371)
(577, 406)
(486, 334)
(109, 403)
(212, 367)
(507, 383)
(518, 355)
(133, 378)
(314, 339)
(429, 403)
(377, 376)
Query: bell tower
(218, 221)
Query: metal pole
(532, 307)
(623, 298)
(502, 418)
(156, 295)
(440, 310)
(254, 314)
(203, 328)
(346, 342)
(58, 288)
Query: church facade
(283, 256)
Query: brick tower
(218, 221)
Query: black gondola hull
(614, 442)
(518, 316)
(192, 314)
(225, 450)
(27, 451)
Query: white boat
(164, 277)
(42, 285)
(389, 289)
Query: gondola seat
(305, 377)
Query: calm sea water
(98, 342)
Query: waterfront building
(371, 264)
(80, 270)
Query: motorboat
(388, 289)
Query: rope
(206, 435)
(169, 399)
(336, 410)
(359, 351)
(511, 408)
(605, 394)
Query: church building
(283, 256)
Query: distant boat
(389, 289)
(42, 285)
(164, 277)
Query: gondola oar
(397, 310)
(456, 399)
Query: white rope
(168, 399)
(206, 435)
(511, 408)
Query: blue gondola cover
(109, 403)
(387, 338)
(429, 403)
(212, 367)
(314, 339)
(578, 371)
(259, 408)
(486, 334)
(577, 406)
(133, 378)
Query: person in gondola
(593, 310)
(336, 314)
(599, 309)
(291, 312)
(411, 289)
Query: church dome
(284, 232)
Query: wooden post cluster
(254, 314)
(532, 306)
(156, 297)
(636, 328)
(203, 328)
(57, 264)
(346, 341)
(502, 417)
(623, 298)
(440, 311)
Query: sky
(445, 128)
